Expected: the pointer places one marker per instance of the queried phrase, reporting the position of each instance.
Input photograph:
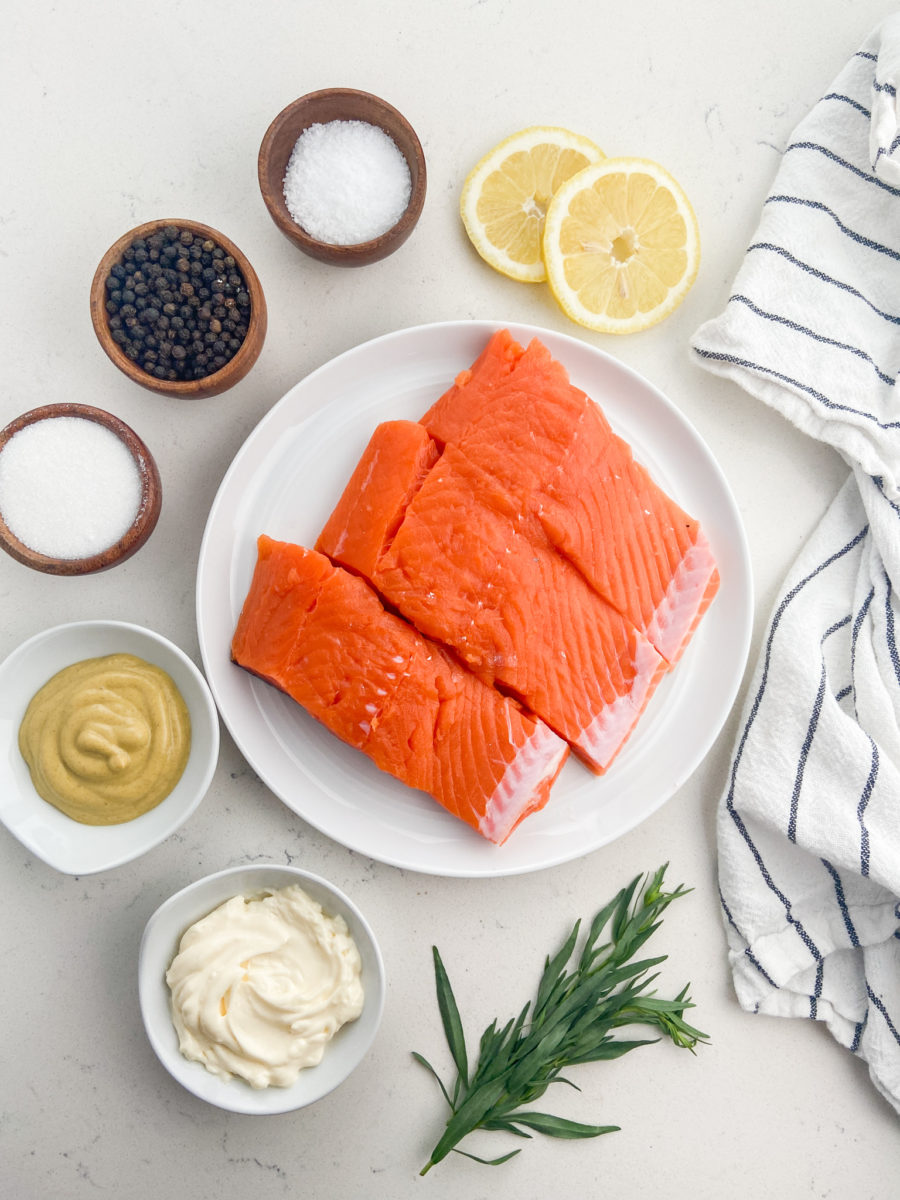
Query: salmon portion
(383, 487)
(499, 583)
(470, 570)
(321, 635)
(516, 414)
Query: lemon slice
(621, 245)
(505, 196)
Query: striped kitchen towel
(809, 823)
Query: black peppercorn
(174, 301)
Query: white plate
(285, 481)
(160, 943)
(65, 844)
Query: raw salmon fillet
(469, 569)
(516, 414)
(321, 635)
(381, 487)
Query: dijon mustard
(106, 739)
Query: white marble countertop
(115, 115)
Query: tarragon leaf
(561, 1127)
(583, 996)
(453, 1029)
(488, 1162)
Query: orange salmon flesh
(500, 582)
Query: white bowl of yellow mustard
(109, 739)
(261, 987)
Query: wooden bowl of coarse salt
(79, 490)
(342, 174)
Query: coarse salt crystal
(69, 487)
(346, 182)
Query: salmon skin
(321, 635)
(516, 414)
(468, 568)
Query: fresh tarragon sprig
(583, 997)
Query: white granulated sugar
(346, 182)
(69, 487)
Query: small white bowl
(65, 844)
(159, 946)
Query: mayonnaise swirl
(260, 986)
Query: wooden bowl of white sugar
(79, 490)
(342, 173)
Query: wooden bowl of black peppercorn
(178, 308)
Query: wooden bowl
(192, 389)
(338, 104)
(148, 507)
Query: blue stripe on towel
(776, 319)
(848, 100)
(818, 206)
(889, 629)
(842, 903)
(879, 1004)
(810, 733)
(886, 151)
(762, 369)
(804, 755)
(857, 626)
(861, 811)
(821, 275)
(858, 1032)
(745, 733)
(748, 953)
(879, 483)
(817, 990)
(864, 173)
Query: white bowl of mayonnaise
(261, 987)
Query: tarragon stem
(582, 998)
